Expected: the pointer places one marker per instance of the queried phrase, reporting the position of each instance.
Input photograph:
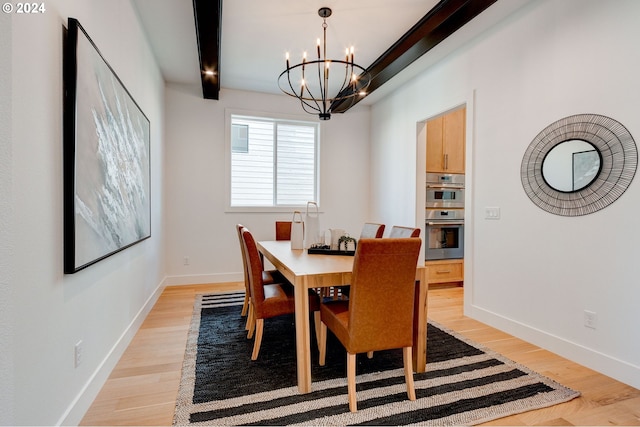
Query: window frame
(274, 117)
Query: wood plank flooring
(142, 388)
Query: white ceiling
(257, 33)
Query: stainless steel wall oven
(444, 217)
(445, 191)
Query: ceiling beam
(208, 18)
(439, 23)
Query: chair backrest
(283, 230)
(398, 231)
(382, 293)
(239, 228)
(371, 231)
(254, 267)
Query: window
(273, 162)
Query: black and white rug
(465, 384)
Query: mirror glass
(571, 165)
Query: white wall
(6, 221)
(532, 273)
(103, 304)
(199, 227)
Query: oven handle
(445, 223)
(446, 186)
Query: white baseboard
(605, 364)
(78, 408)
(201, 279)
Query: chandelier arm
(293, 92)
(313, 98)
(304, 100)
(323, 88)
(306, 105)
(345, 81)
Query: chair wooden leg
(351, 382)
(316, 325)
(258, 340)
(322, 343)
(408, 372)
(249, 310)
(245, 305)
(251, 322)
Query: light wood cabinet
(446, 142)
(445, 271)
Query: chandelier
(323, 84)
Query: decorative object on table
(334, 91)
(297, 231)
(320, 249)
(336, 234)
(465, 383)
(579, 165)
(311, 225)
(346, 243)
(106, 158)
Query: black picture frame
(106, 155)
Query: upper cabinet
(445, 142)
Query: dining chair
(269, 300)
(367, 321)
(371, 230)
(283, 230)
(398, 231)
(268, 277)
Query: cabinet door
(453, 130)
(435, 154)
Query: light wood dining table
(307, 271)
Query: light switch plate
(491, 213)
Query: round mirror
(571, 165)
(579, 165)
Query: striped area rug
(465, 384)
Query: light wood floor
(142, 388)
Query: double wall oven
(444, 216)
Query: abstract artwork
(106, 158)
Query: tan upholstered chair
(271, 300)
(268, 277)
(283, 230)
(398, 231)
(371, 231)
(367, 321)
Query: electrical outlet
(186, 260)
(590, 319)
(77, 354)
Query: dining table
(307, 271)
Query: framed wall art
(106, 158)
